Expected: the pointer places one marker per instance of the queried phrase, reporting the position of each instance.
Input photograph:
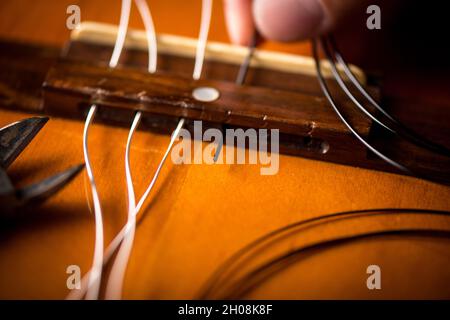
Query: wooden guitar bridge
(281, 92)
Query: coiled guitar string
(225, 272)
(97, 264)
(263, 272)
(200, 53)
(333, 104)
(333, 54)
(327, 93)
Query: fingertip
(289, 20)
(239, 21)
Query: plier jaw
(14, 138)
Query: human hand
(285, 20)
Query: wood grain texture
(198, 215)
(165, 94)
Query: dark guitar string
(403, 131)
(333, 104)
(346, 90)
(235, 260)
(240, 79)
(243, 70)
(327, 93)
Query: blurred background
(170, 16)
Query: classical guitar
(269, 172)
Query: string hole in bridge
(206, 94)
(324, 147)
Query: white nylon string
(115, 243)
(199, 60)
(117, 275)
(121, 33)
(146, 16)
(94, 276)
(97, 264)
(118, 270)
(202, 37)
(158, 170)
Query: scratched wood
(198, 215)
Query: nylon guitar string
(200, 53)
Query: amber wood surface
(198, 215)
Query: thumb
(239, 20)
(291, 20)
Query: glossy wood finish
(165, 94)
(270, 99)
(199, 214)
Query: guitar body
(199, 215)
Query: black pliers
(13, 140)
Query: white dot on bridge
(206, 94)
